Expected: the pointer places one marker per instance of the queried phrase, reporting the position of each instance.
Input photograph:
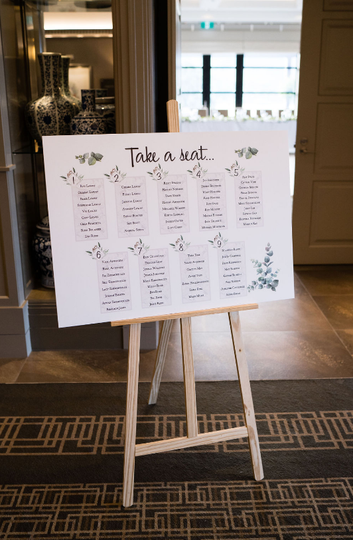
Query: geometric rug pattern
(64, 435)
(61, 464)
(273, 510)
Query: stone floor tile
(10, 369)
(337, 309)
(324, 280)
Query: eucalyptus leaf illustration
(267, 278)
(91, 158)
(249, 152)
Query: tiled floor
(310, 336)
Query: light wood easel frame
(193, 438)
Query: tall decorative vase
(65, 64)
(106, 107)
(42, 249)
(88, 121)
(52, 113)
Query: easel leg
(164, 337)
(248, 406)
(131, 414)
(189, 377)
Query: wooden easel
(193, 438)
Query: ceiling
(226, 13)
(242, 11)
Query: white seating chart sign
(147, 225)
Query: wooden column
(133, 53)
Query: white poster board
(145, 225)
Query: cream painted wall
(97, 52)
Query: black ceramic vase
(42, 249)
(52, 113)
(88, 121)
(65, 64)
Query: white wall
(241, 41)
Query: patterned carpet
(61, 464)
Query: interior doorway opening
(240, 67)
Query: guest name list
(212, 202)
(195, 274)
(114, 282)
(173, 204)
(154, 278)
(89, 210)
(232, 270)
(249, 200)
(131, 205)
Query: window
(270, 81)
(223, 82)
(191, 82)
(226, 81)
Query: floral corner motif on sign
(139, 248)
(72, 178)
(180, 244)
(197, 172)
(97, 252)
(218, 241)
(267, 278)
(235, 170)
(91, 158)
(115, 175)
(158, 173)
(248, 152)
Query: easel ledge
(211, 311)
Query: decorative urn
(88, 121)
(52, 113)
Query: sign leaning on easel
(151, 227)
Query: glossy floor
(310, 336)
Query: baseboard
(15, 345)
(15, 341)
(46, 335)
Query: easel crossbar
(188, 442)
